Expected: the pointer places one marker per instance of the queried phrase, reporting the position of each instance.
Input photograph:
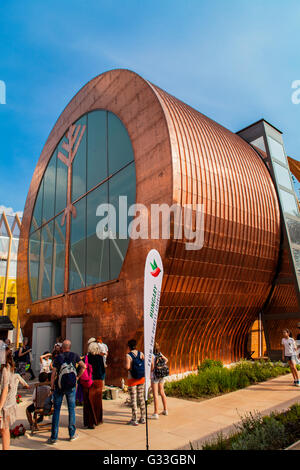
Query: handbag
(161, 369)
(86, 380)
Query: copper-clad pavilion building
(121, 135)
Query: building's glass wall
(97, 269)
(102, 170)
(8, 266)
(286, 190)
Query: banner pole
(153, 275)
(147, 436)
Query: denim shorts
(155, 380)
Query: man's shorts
(31, 408)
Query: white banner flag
(152, 288)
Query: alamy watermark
(2, 92)
(161, 221)
(296, 94)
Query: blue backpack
(138, 366)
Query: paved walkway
(188, 421)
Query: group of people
(136, 380)
(64, 373)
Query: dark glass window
(119, 145)
(123, 183)
(294, 229)
(97, 148)
(45, 272)
(61, 181)
(58, 257)
(34, 257)
(104, 165)
(37, 213)
(79, 163)
(49, 189)
(77, 247)
(97, 249)
(296, 254)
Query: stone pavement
(188, 421)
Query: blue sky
(234, 61)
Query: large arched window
(92, 164)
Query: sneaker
(132, 423)
(154, 416)
(51, 441)
(297, 383)
(165, 412)
(73, 438)
(142, 421)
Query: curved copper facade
(210, 297)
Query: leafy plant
(214, 379)
(269, 435)
(256, 432)
(209, 364)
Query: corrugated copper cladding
(233, 272)
(210, 297)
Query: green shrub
(209, 364)
(255, 432)
(213, 379)
(219, 443)
(267, 436)
(250, 422)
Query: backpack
(86, 380)
(161, 369)
(67, 376)
(138, 366)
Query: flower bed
(214, 379)
(274, 432)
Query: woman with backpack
(159, 371)
(92, 382)
(136, 382)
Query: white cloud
(10, 211)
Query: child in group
(40, 395)
(289, 354)
(103, 349)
